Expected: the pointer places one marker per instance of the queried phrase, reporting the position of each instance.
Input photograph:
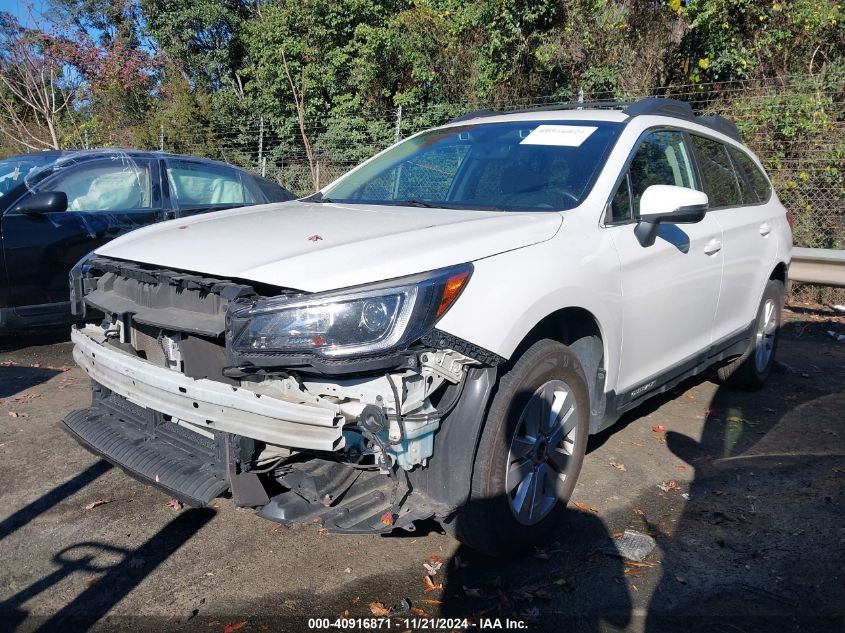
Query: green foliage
(214, 67)
(729, 39)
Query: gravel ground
(743, 493)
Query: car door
(107, 196)
(197, 186)
(742, 204)
(670, 289)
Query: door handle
(713, 246)
(765, 229)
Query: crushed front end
(349, 407)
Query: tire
(750, 370)
(499, 519)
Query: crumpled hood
(324, 246)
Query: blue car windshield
(14, 170)
(512, 166)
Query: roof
(618, 111)
(86, 154)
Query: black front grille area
(162, 298)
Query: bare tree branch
(32, 97)
(299, 101)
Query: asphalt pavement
(742, 492)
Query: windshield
(513, 166)
(14, 170)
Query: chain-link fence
(795, 124)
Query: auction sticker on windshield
(565, 135)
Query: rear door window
(720, 182)
(757, 182)
(196, 184)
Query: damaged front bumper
(208, 403)
(364, 446)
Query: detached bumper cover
(207, 403)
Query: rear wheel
(750, 370)
(530, 453)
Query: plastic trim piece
(443, 340)
(209, 403)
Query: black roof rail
(650, 105)
(721, 124)
(664, 107)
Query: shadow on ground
(756, 548)
(118, 572)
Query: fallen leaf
(838, 469)
(430, 602)
(525, 593)
(583, 507)
(430, 585)
(638, 511)
(540, 553)
(680, 468)
(666, 486)
(234, 626)
(379, 610)
(91, 580)
(15, 414)
(659, 428)
(420, 612)
(98, 502)
(471, 592)
(435, 560)
(387, 518)
(616, 534)
(175, 504)
(642, 563)
(432, 569)
(568, 583)
(36, 365)
(531, 614)
(618, 466)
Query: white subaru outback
(436, 333)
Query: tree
(36, 86)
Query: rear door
(670, 289)
(741, 201)
(107, 197)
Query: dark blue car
(58, 206)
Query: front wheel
(750, 370)
(530, 452)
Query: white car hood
(324, 246)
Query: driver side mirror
(43, 202)
(668, 204)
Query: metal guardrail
(823, 266)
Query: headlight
(355, 322)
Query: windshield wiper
(410, 202)
(317, 197)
